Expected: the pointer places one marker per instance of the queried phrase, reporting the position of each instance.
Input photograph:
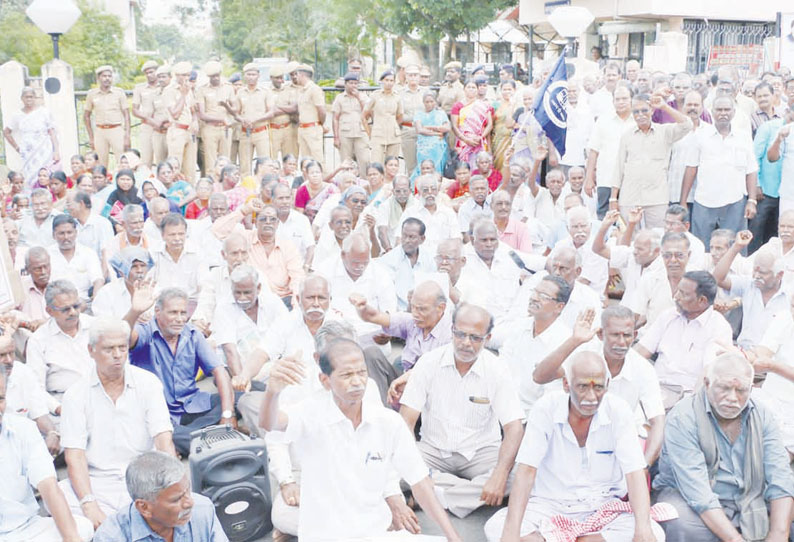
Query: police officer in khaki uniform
(180, 103)
(236, 80)
(424, 77)
(214, 109)
(311, 114)
(160, 116)
(108, 105)
(143, 96)
(291, 72)
(349, 135)
(412, 104)
(451, 92)
(254, 111)
(285, 99)
(385, 108)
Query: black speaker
(230, 469)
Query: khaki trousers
(181, 145)
(310, 142)
(283, 141)
(259, 142)
(409, 149)
(215, 142)
(356, 148)
(146, 143)
(106, 139)
(159, 146)
(380, 150)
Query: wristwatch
(87, 499)
(226, 414)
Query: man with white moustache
(595, 268)
(440, 221)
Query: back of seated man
(163, 505)
(175, 350)
(58, 351)
(109, 418)
(464, 394)
(27, 465)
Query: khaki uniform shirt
(412, 103)
(143, 97)
(158, 103)
(107, 107)
(643, 159)
(310, 97)
(211, 97)
(349, 109)
(385, 108)
(171, 95)
(449, 94)
(254, 103)
(285, 95)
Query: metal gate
(703, 35)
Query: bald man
(557, 475)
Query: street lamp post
(570, 22)
(53, 17)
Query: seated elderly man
(406, 260)
(107, 419)
(676, 219)
(284, 458)
(426, 327)
(35, 229)
(275, 257)
(93, 230)
(58, 351)
(476, 206)
(131, 265)
(522, 236)
(163, 506)
(686, 337)
(354, 273)
(159, 207)
(632, 377)
(762, 295)
(293, 225)
(23, 395)
(132, 233)
(240, 324)
(177, 263)
(175, 350)
(440, 220)
(33, 310)
(329, 244)
(654, 292)
(200, 233)
(346, 502)
(73, 261)
(387, 219)
(723, 463)
(464, 394)
(27, 465)
(595, 268)
(524, 342)
(579, 457)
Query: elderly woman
(31, 133)
(472, 121)
(432, 125)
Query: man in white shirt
(580, 456)
(293, 225)
(239, 325)
(35, 229)
(58, 351)
(578, 127)
(763, 296)
(524, 342)
(74, 261)
(440, 220)
(601, 102)
(109, 417)
(724, 162)
(178, 264)
(686, 337)
(632, 377)
(676, 219)
(693, 108)
(363, 442)
(595, 268)
(158, 209)
(782, 148)
(26, 466)
(407, 259)
(477, 206)
(93, 231)
(115, 298)
(464, 394)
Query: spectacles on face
(641, 111)
(671, 255)
(268, 219)
(446, 259)
(63, 310)
(462, 335)
(543, 296)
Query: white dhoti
(41, 529)
(110, 492)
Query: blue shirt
(128, 524)
(769, 173)
(177, 371)
(682, 465)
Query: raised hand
(287, 371)
(635, 215)
(583, 330)
(143, 295)
(744, 237)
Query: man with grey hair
(93, 230)
(440, 220)
(239, 325)
(35, 229)
(475, 207)
(158, 209)
(109, 417)
(132, 233)
(34, 282)
(746, 497)
(163, 505)
(131, 265)
(175, 350)
(579, 457)
(58, 351)
(595, 268)
(27, 465)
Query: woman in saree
(311, 195)
(472, 121)
(431, 126)
(526, 131)
(31, 133)
(503, 123)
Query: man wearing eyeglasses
(464, 394)
(58, 351)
